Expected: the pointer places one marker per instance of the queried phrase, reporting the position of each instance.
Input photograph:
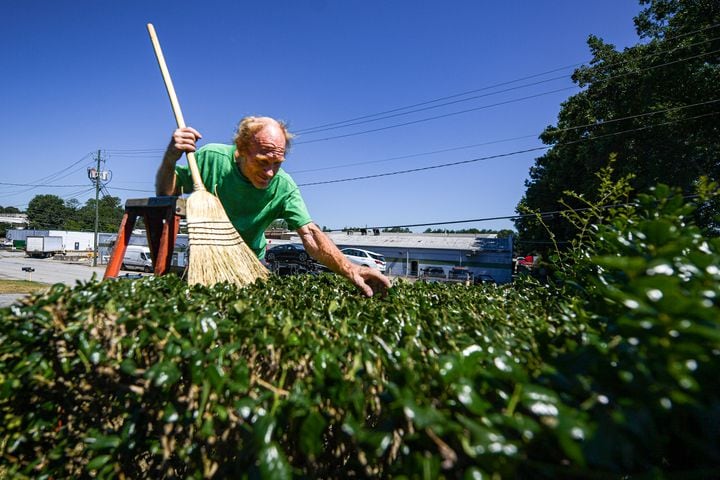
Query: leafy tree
(46, 212)
(636, 103)
(396, 230)
(278, 224)
(50, 212)
(110, 212)
(72, 222)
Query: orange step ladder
(162, 224)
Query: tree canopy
(47, 212)
(655, 105)
(50, 212)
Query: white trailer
(76, 241)
(36, 246)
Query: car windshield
(377, 257)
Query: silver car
(365, 258)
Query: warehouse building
(408, 254)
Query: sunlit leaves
(302, 376)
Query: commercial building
(408, 254)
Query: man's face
(264, 156)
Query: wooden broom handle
(192, 163)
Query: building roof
(457, 241)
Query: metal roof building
(408, 253)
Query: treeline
(50, 212)
(9, 209)
(4, 227)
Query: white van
(137, 257)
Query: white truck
(37, 246)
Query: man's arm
(165, 178)
(322, 249)
(183, 141)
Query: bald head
(270, 129)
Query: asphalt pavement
(46, 270)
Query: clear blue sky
(78, 76)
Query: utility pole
(96, 175)
(97, 209)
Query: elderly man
(254, 191)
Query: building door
(414, 268)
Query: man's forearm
(319, 245)
(165, 178)
(322, 249)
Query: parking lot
(46, 270)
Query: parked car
(433, 272)
(483, 278)
(460, 273)
(290, 252)
(527, 262)
(365, 258)
(290, 268)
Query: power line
(133, 190)
(339, 124)
(384, 117)
(422, 154)
(482, 107)
(138, 154)
(142, 151)
(48, 177)
(134, 150)
(387, 127)
(391, 113)
(44, 180)
(345, 123)
(504, 217)
(421, 169)
(69, 196)
(508, 154)
(40, 185)
(553, 132)
(77, 194)
(545, 147)
(639, 115)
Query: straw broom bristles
(217, 252)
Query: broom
(217, 252)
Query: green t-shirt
(251, 210)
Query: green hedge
(614, 373)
